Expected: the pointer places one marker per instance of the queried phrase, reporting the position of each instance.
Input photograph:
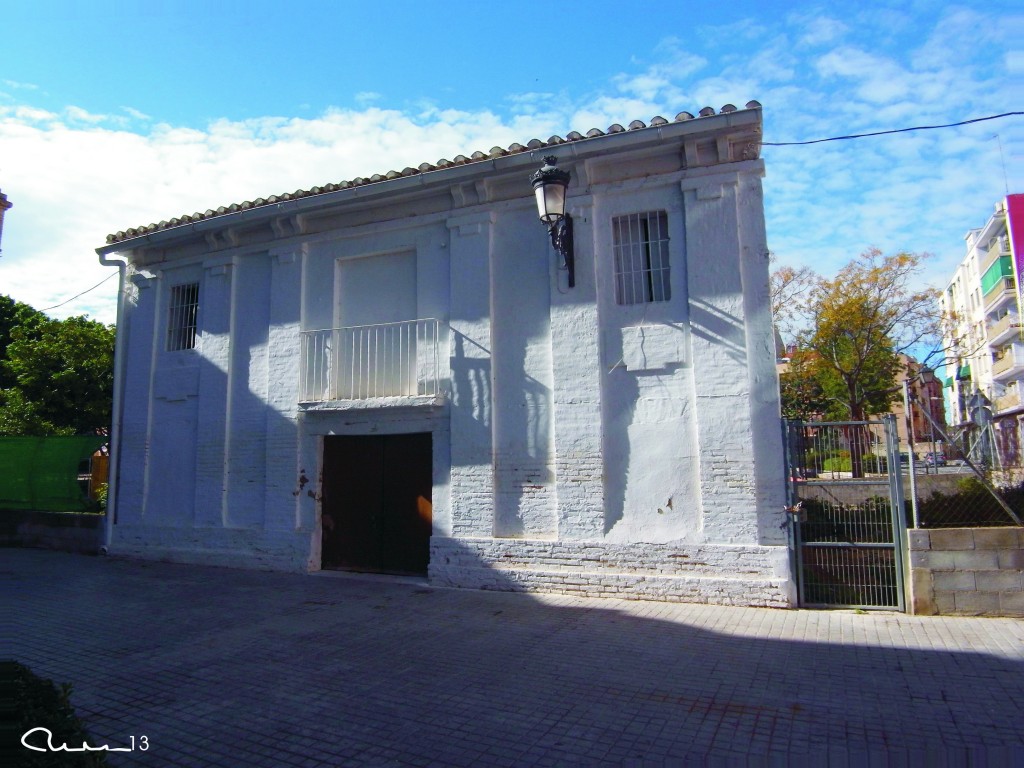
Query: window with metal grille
(181, 321)
(640, 247)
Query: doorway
(848, 518)
(376, 505)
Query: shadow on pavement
(230, 667)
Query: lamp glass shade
(550, 201)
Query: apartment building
(983, 303)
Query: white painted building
(393, 374)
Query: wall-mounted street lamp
(549, 185)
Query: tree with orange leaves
(852, 330)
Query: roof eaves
(260, 207)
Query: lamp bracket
(561, 239)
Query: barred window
(181, 321)
(640, 247)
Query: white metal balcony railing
(367, 361)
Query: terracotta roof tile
(476, 157)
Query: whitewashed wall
(582, 446)
(663, 476)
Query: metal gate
(847, 521)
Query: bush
(101, 495)
(39, 704)
(843, 463)
(970, 507)
(813, 458)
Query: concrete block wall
(967, 571)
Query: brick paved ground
(221, 667)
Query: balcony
(1009, 366)
(1006, 328)
(1002, 292)
(1006, 402)
(366, 362)
(998, 249)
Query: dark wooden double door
(376, 508)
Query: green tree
(61, 375)
(802, 394)
(15, 314)
(851, 332)
(861, 322)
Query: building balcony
(1005, 329)
(999, 249)
(370, 362)
(1009, 366)
(1006, 402)
(1004, 292)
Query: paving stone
(225, 667)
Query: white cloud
(367, 97)
(74, 175)
(132, 112)
(28, 114)
(79, 115)
(880, 80)
(21, 86)
(819, 30)
(658, 80)
(605, 111)
(73, 182)
(1014, 61)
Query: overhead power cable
(884, 133)
(763, 143)
(68, 301)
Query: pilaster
(472, 469)
(140, 316)
(284, 356)
(576, 364)
(213, 416)
(720, 360)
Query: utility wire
(101, 282)
(763, 143)
(883, 133)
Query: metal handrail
(361, 362)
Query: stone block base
(691, 573)
(235, 548)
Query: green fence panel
(41, 473)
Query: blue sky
(117, 114)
